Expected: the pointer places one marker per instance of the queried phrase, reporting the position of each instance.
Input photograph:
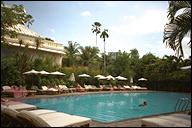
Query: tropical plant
(20, 42)
(178, 26)
(96, 29)
(88, 54)
(38, 43)
(11, 16)
(71, 52)
(121, 65)
(104, 35)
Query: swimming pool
(107, 107)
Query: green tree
(134, 62)
(88, 54)
(104, 35)
(120, 65)
(96, 29)
(38, 43)
(178, 26)
(71, 52)
(11, 16)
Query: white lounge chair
(57, 119)
(9, 116)
(19, 106)
(127, 87)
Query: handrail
(182, 104)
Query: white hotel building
(29, 37)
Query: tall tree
(71, 51)
(178, 26)
(11, 16)
(96, 29)
(88, 54)
(104, 35)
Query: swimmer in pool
(144, 104)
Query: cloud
(86, 13)
(109, 3)
(150, 22)
(51, 30)
(129, 17)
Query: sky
(130, 24)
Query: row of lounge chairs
(17, 93)
(29, 116)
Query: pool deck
(175, 119)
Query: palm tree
(96, 29)
(104, 35)
(88, 54)
(38, 43)
(178, 26)
(71, 51)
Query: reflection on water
(112, 106)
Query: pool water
(108, 107)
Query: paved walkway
(180, 119)
(172, 120)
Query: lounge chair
(107, 88)
(19, 106)
(57, 119)
(127, 87)
(101, 87)
(88, 88)
(141, 88)
(91, 88)
(96, 88)
(138, 88)
(120, 88)
(64, 88)
(80, 89)
(48, 91)
(9, 116)
(116, 88)
(134, 87)
(14, 91)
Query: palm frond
(180, 25)
(174, 6)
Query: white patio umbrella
(31, 72)
(142, 79)
(98, 76)
(72, 77)
(110, 77)
(44, 72)
(131, 80)
(57, 73)
(120, 78)
(186, 67)
(102, 78)
(84, 75)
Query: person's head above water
(144, 104)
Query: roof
(19, 28)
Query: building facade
(27, 39)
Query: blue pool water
(108, 107)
